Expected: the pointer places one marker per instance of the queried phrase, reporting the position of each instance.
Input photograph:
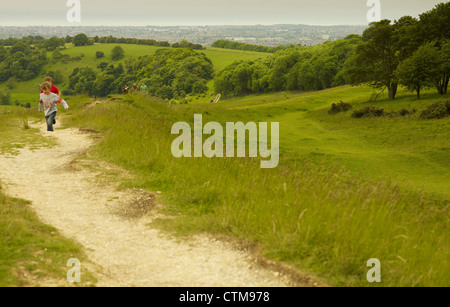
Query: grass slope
(328, 207)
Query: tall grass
(317, 216)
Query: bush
(117, 53)
(5, 99)
(99, 54)
(11, 83)
(339, 107)
(436, 110)
(368, 112)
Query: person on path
(54, 89)
(48, 102)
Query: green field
(346, 189)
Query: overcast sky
(206, 12)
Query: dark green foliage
(81, 81)
(186, 44)
(422, 69)
(436, 110)
(406, 112)
(114, 40)
(21, 61)
(402, 113)
(102, 66)
(53, 43)
(58, 76)
(402, 52)
(243, 46)
(182, 69)
(368, 112)
(168, 73)
(11, 83)
(117, 53)
(5, 99)
(99, 54)
(292, 68)
(82, 40)
(339, 107)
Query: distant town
(266, 35)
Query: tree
(3, 53)
(57, 55)
(444, 55)
(5, 99)
(376, 58)
(53, 43)
(103, 85)
(420, 70)
(80, 40)
(11, 83)
(434, 24)
(406, 36)
(117, 53)
(20, 47)
(99, 54)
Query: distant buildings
(267, 35)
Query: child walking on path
(48, 102)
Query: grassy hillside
(417, 151)
(25, 92)
(346, 190)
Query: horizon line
(186, 25)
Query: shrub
(368, 112)
(403, 112)
(339, 107)
(99, 54)
(5, 99)
(117, 53)
(11, 83)
(436, 110)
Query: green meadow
(346, 190)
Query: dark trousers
(50, 118)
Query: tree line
(409, 51)
(292, 68)
(83, 40)
(244, 46)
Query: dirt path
(116, 235)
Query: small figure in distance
(125, 89)
(144, 88)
